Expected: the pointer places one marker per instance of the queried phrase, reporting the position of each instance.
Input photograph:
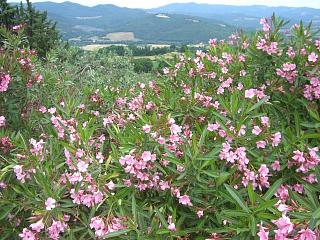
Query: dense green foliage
(223, 144)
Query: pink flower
(276, 139)
(312, 57)
(284, 225)
(56, 228)
(147, 156)
(50, 204)
(166, 71)
(213, 127)
(27, 234)
(213, 42)
(185, 200)
(250, 93)
(172, 227)
(38, 78)
(266, 27)
(265, 121)
(282, 207)
(4, 82)
(200, 213)
(262, 234)
(111, 186)
(146, 128)
(42, 109)
(175, 129)
(52, 110)
(256, 130)
(307, 234)
(2, 121)
(282, 193)
(261, 144)
(38, 226)
(161, 140)
(82, 166)
(275, 166)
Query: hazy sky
(157, 3)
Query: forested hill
(173, 23)
(83, 23)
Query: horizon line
(212, 4)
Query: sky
(157, 3)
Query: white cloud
(157, 3)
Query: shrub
(223, 145)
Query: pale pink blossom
(256, 130)
(200, 213)
(307, 234)
(250, 93)
(312, 57)
(263, 234)
(50, 203)
(146, 128)
(38, 226)
(82, 166)
(276, 166)
(2, 121)
(185, 200)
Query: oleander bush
(222, 145)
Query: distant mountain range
(173, 23)
(241, 16)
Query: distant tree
(173, 47)
(184, 48)
(143, 65)
(118, 50)
(7, 14)
(40, 32)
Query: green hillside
(91, 24)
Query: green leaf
(251, 194)
(234, 194)
(258, 104)
(272, 190)
(117, 234)
(4, 211)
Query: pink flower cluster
(142, 169)
(252, 92)
(266, 27)
(5, 145)
(22, 174)
(4, 81)
(102, 226)
(54, 230)
(25, 63)
(269, 48)
(305, 161)
(88, 193)
(286, 230)
(37, 148)
(312, 91)
(288, 72)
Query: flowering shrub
(223, 145)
